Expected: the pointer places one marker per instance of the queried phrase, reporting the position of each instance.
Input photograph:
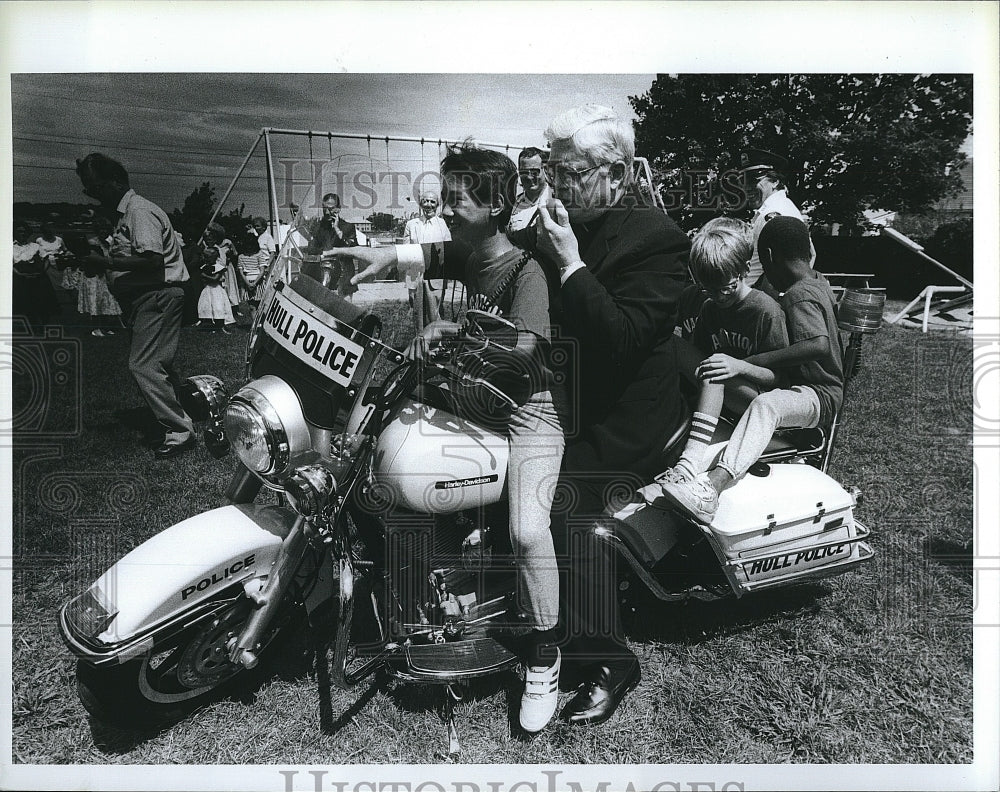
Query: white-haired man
(617, 265)
(620, 273)
(427, 227)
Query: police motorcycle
(377, 485)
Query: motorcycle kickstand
(452, 695)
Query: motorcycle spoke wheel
(174, 679)
(190, 670)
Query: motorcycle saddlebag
(791, 524)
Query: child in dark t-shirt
(478, 191)
(735, 321)
(813, 363)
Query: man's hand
(719, 368)
(375, 259)
(556, 239)
(432, 334)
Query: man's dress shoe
(602, 691)
(170, 450)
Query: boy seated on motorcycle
(479, 190)
(733, 323)
(812, 362)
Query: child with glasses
(735, 322)
(813, 364)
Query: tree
(234, 222)
(855, 141)
(192, 218)
(381, 221)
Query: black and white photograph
(500, 396)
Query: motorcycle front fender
(178, 571)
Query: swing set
(361, 146)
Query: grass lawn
(871, 667)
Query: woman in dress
(214, 306)
(33, 296)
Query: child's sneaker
(541, 694)
(696, 497)
(674, 475)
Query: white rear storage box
(794, 522)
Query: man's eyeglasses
(534, 173)
(556, 172)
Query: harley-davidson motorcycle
(377, 484)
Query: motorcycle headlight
(265, 425)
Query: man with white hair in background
(427, 227)
(618, 264)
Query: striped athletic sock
(699, 439)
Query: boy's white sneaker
(696, 497)
(541, 695)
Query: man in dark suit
(616, 270)
(619, 268)
(326, 233)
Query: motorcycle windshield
(306, 332)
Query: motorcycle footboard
(452, 661)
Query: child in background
(735, 322)
(813, 362)
(251, 262)
(214, 306)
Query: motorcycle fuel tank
(433, 462)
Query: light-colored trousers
(156, 329)
(796, 407)
(536, 449)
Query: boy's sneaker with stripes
(541, 692)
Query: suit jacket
(612, 339)
(322, 236)
(618, 316)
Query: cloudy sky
(175, 131)
(180, 91)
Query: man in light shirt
(766, 179)
(427, 227)
(146, 273)
(531, 173)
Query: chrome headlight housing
(266, 427)
(204, 397)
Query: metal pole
(352, 136)
(232, 184)
(271, 187)
(906, 242)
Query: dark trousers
(155, 321)
(589, 608)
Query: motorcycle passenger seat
(785, 444)
(794, 442)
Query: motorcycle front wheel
(174, 679)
